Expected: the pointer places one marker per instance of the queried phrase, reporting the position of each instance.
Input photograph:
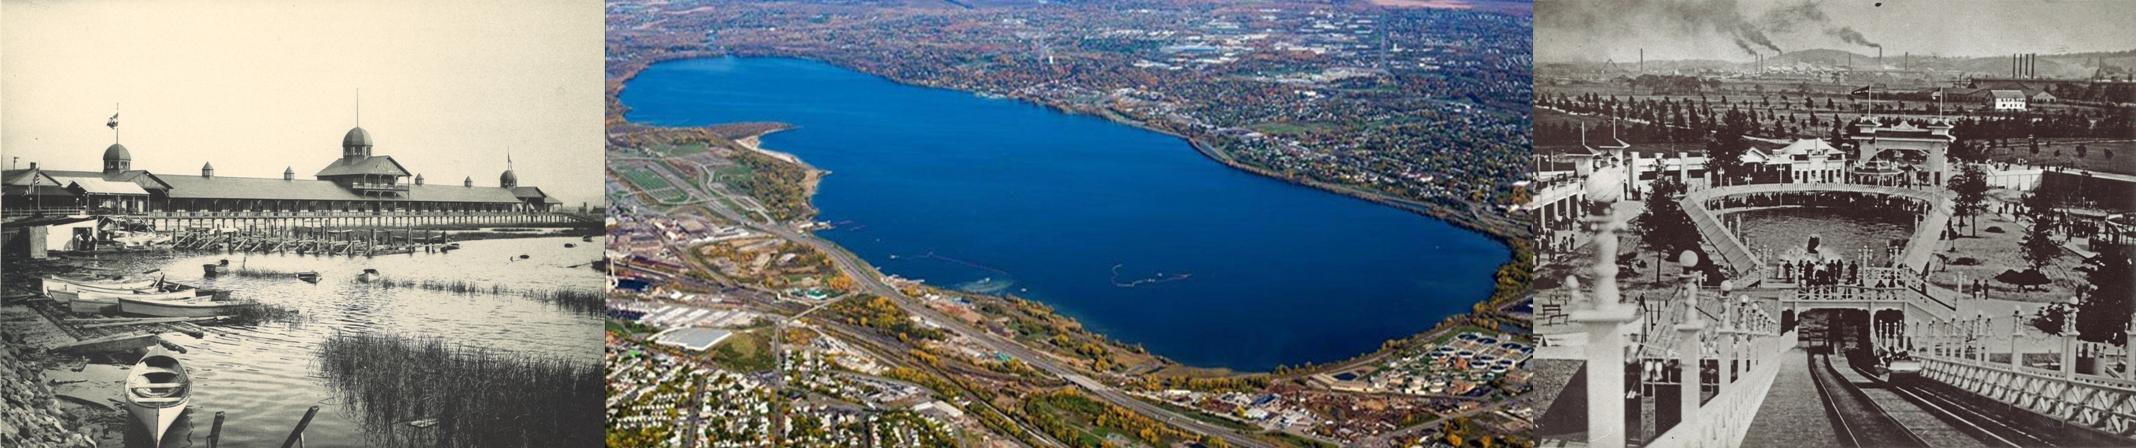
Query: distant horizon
(1872, 53)
(1731, 30)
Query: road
(871, 281)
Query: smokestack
(1642, 61)
(1880, 58)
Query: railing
(17, 212)
(2104, 404)
(378, 186)
(1739, 258)
(323, 214)
(1725, 419)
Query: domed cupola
(207, 170)
(117, 159)
(289, 173)
(418, 179)
(508, 180)
(356, 144)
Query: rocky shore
(29, 415)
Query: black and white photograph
(317, 224)
(1838, 223)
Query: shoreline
(755, 143)
(1511, 239)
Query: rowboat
(190, 306)
(309, 276)
(368, 275)
(50, 282)
(157, 392)
(95, 299)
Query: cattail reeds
(580, 300)
(411, 392)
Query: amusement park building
(356, 183)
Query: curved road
(871, 281)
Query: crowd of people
(1822, 273)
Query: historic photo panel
(1839, 223)
(327, 224)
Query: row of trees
(1689, 120)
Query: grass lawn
(644, 178)
(672, 150)
(730, 171)
(747, 351)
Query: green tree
(1724, 151)
(1664, 226)
(2038, 246)
(1972, 189)
(2104, 313)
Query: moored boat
(96, 299)
(368, 275)
(157, 392)
(194, 306)
(214, 269)
(50, 282)
(309, 276)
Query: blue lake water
(1131, 232)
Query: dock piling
(215, 432)
(298, 433)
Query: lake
(263, 376)
(1130, 231)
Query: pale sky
(256, 86)
(1590, 30)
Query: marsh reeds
(426, 392)
(263, 273)
(579, 300)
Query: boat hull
(157, 391)
(190, 307)
(92, 305)
(174, 295)
(157, 421)
(51, 282)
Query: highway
(871, 281)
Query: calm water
(1842, 232)
(265, 376)
(1130, 231)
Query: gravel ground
(29, 416)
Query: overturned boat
(157, 392)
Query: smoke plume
(1693, 19)
(1851, 36)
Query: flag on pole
(114, 122)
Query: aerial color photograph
(1843, 223)
(1034, 223)
(300, 225)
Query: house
(2006, 99)
(2039, 97)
